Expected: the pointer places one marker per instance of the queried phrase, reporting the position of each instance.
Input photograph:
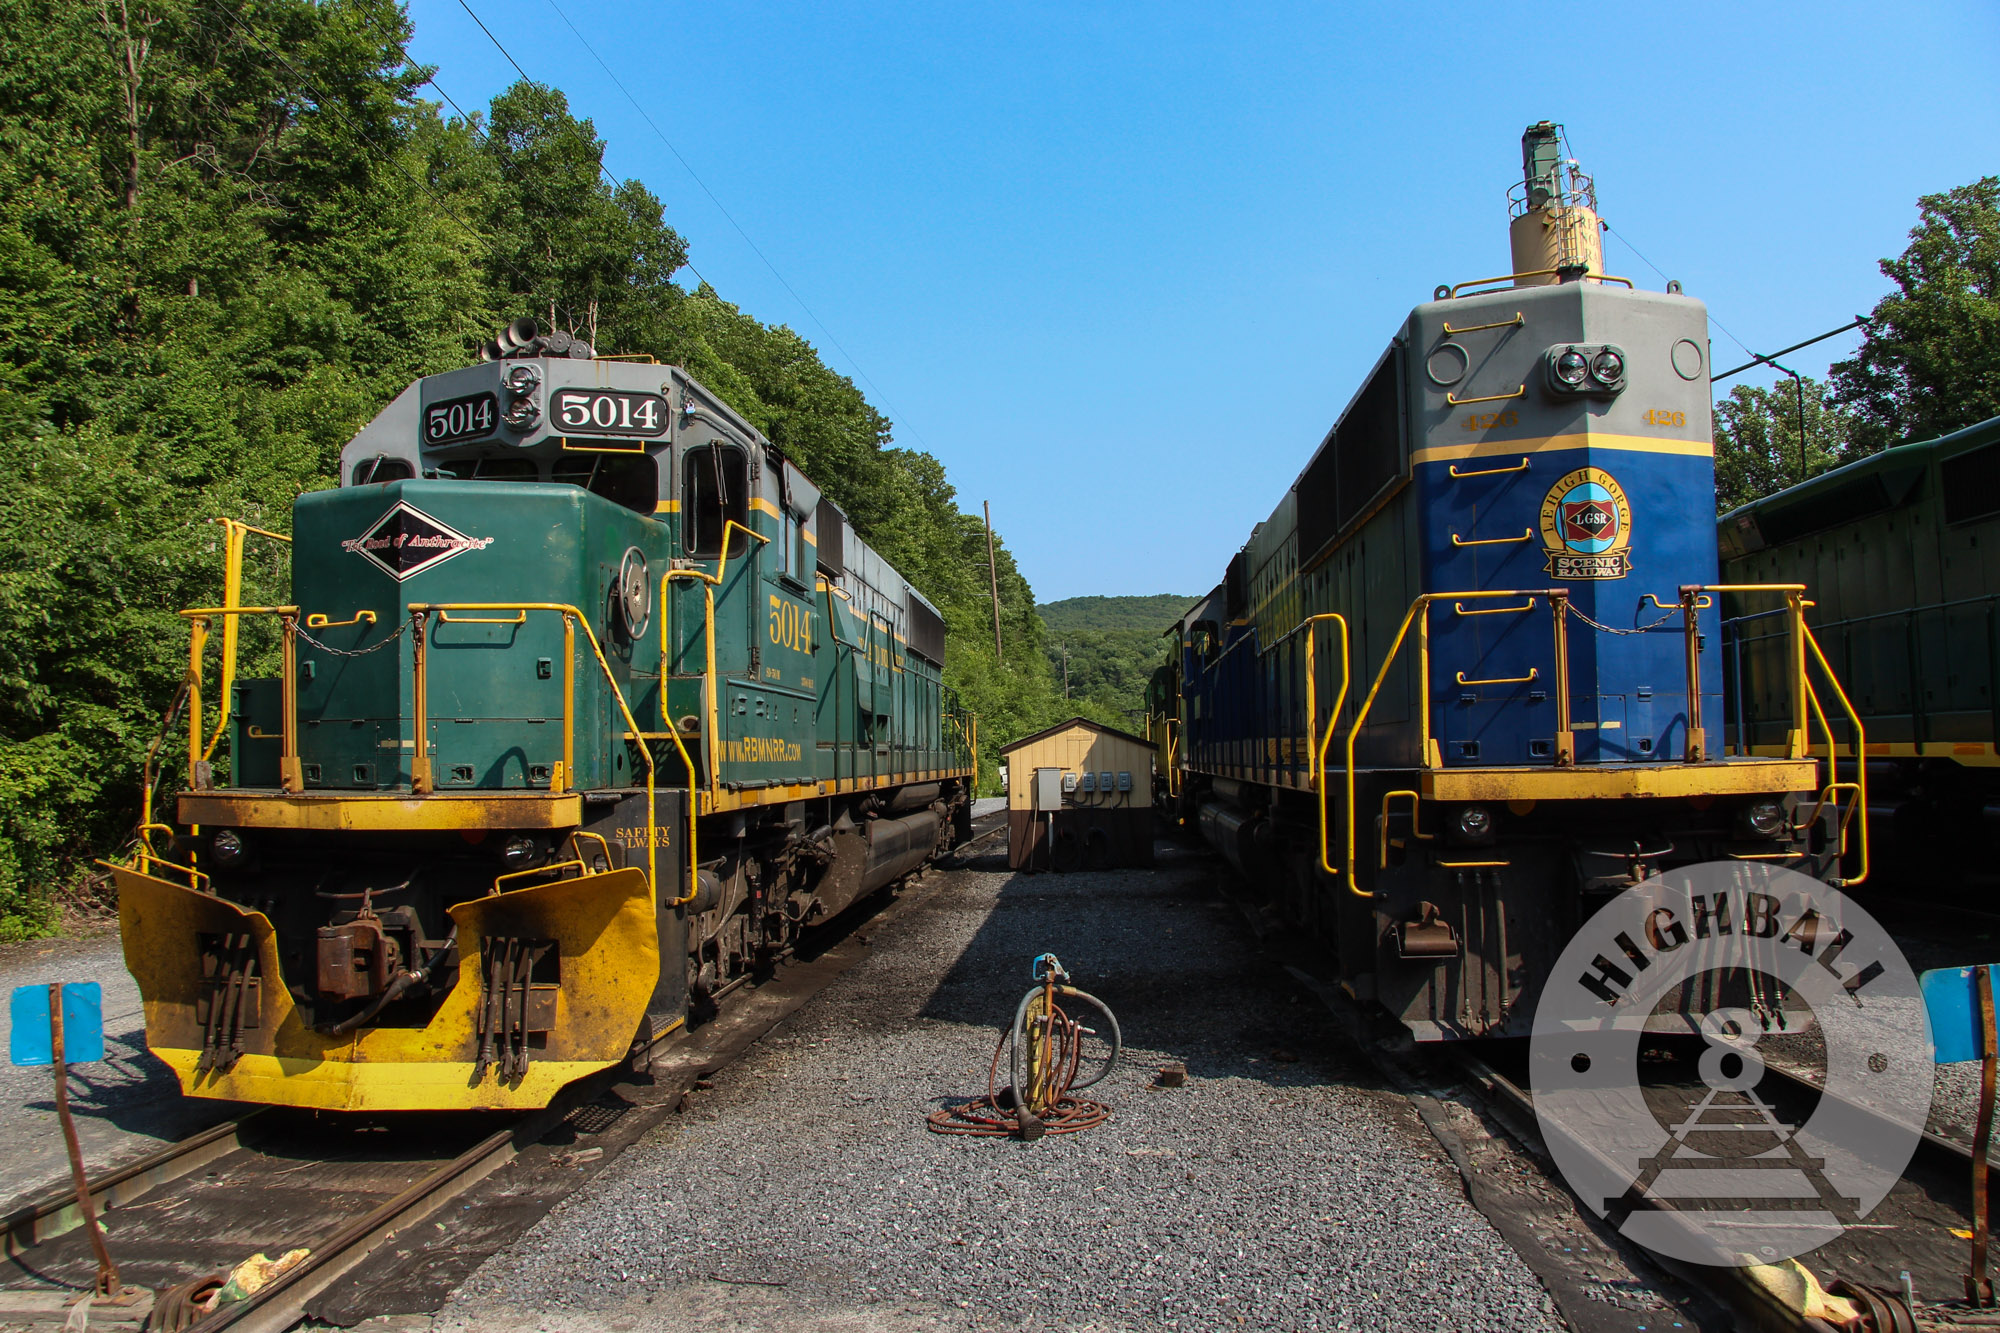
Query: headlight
(1766, 819)
(228, 848)
(1572, 366)
(523, 380)
(1475, 821)
(520, 852)
(1608, 367)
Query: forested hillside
(1112, 645)
(231, 233)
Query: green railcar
(590, 704)
(1902, 553)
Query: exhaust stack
(1554, 233)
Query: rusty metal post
(1978, 1286)
(107, 1272)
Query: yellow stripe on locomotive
(579, 721)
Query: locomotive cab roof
(611, 427)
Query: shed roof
(1059, 727)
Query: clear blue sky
(1120, 266)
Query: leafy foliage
(231, 233)
(1930, 360)
(1757, 444)
(1112, 646)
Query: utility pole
(993, 572)
(1065, 653)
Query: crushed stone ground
(1281, 1188)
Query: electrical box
(1089, 782)
(1048, 791)
(1124, 782)
(1068, 781)
(1104, 782)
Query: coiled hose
(1038, 1097)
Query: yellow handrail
(317, 620)
(518, 618)
(290, 773)
(1521, 466)
(1797, 743)
(1420, 611)
(572, 618)
(1458, 608)
(549, 869)
(1519, 318)
(1534, 673)
(1315, 746)
(148, 858)
(1860, 784)
(1525, 536)
(235, 533)
(1533, 273)
(1520, 392)
(711, 687)
(1382, 823)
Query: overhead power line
(495, 40)
(1771, 360)
(474, 128)
(755, 248)
(326, 104)
(1626, 241)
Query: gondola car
(589, 705)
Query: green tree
(1757, 444)
(1113, 644)
(587, 257)
(1930, 359)
(229, 233)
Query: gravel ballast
(1281, 1187)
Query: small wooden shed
(1079, 797)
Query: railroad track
(1918, 1230)
(356, 1191)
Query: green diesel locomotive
(590, 703)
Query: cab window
(631, 480)
(714, 492)
(380, 468)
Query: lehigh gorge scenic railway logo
(1692, 1144)
(407, 541)
(1587, 526)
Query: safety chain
(1637, 629)
(300, 630)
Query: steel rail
(280, 1303)
(1755, 1305)
(54, 1212)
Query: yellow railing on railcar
(1694, 598)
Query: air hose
(1044, 1050)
